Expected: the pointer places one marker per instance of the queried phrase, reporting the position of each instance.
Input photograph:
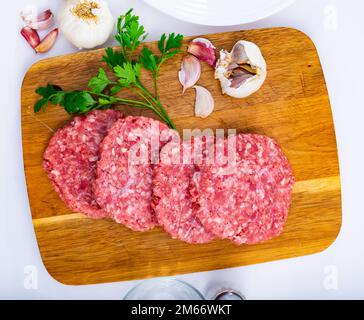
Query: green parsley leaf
(148, 60)
(113, 58)
(130, 33)
(173, 42)
(58, 98)
(100, 82)
(78, 102)
(48, 91)
(40, 105)
(161, 43)
(169, 47)
(128, 74)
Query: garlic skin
(242, 71)
(205, 104)
(86, 23)
(35, 20)
(190, 72)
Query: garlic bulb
(242, 71)
(86, 23)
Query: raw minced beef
(123, 186)
(172, 201)
(248, 203)
(104, 165)
(71, 156)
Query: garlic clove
(48, 42)
(44, 21)
(41, 21)
(239, 54)
(252, 51)
(31, 36)
(242, 71)
(203, 49)
(204, 105)
(239, 77)
(190, 72)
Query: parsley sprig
(126, 68)
(168, 48)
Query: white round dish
(220, 13)
(163, 289)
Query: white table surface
(337, 28)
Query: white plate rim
(264, 14)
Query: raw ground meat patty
(172, 201)
(71, 156)
(250, 203)
(124, 184)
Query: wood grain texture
(292, 107)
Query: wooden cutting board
(292, 107)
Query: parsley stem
(145, 106)
(121, 100)
(157, 103)
(137, 104)
(132, 103)
(155, 79)
(141, 94)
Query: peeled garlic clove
(36, 21)
(242, 71)
(190, 72)
(204, 102)
(48, 42)
(239, 54)
(31, 36)
(239, 77)
(203, 49)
